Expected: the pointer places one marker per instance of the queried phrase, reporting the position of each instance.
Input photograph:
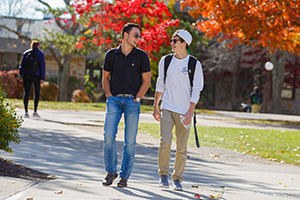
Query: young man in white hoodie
(179, 99)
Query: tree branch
(20, 35)
(45, 4)
(59, 24)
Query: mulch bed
(11, 169)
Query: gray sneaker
(178, 186)
(35, 115)
(163, 181)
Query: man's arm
(156, 113)
(106, 83)
(145, 85)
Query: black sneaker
(122, 182)
(108, 180)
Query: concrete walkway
(76, 157)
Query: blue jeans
(116, 106)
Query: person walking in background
(179, 97)
(126, 79)
(256, 100)
(32, 70)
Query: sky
(28, 8)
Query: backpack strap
(168, 59)
(192, 67)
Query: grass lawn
(54, 105)
(270, 144)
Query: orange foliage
(49, 91)
(80, 96)
(273, 24)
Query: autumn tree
(14, 8)
(271, 24)
(61, 44)
(102, 22)
(63, 41)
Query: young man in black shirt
(126, 79)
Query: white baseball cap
(185, 35)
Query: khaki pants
(167, 122)
(256, 108)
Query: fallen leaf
(213, 197)
(59, 192)
(215, 156)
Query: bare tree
(18, 8)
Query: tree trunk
(235, 94)
(64, 78)
(278, 75)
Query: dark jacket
(256, 98)
(41, 70)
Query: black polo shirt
(126, 70)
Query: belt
(125, 95)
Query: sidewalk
(75, 156)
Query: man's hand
(156, 113)
(187, 118)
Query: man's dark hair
(127, 28)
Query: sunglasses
(174, 40)
(137, 36)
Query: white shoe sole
(163, 186)
(178, 189)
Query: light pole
(268, 66)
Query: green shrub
(49, 91)
(9, 124)
(89, 86)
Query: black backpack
(191, 71)
(31, 63)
